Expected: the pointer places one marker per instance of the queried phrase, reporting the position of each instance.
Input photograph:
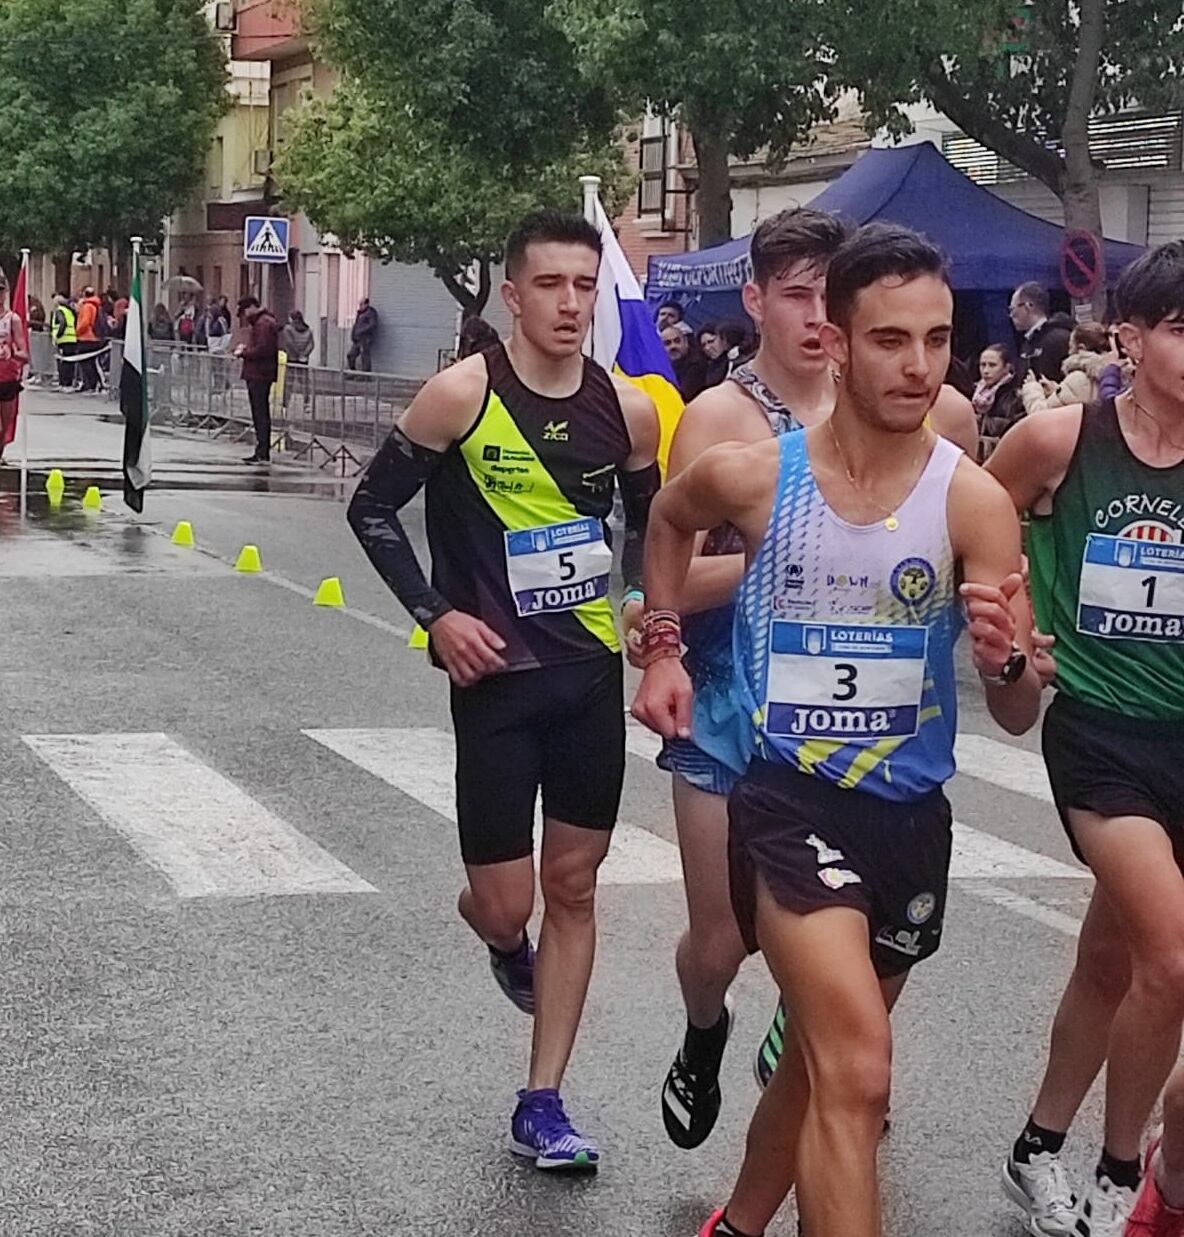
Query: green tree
(742, 75)
(109, 109)
(1021, 78)
(362, 168)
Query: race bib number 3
(557, 567)
(1131, 590)
(845, 681)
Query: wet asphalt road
(330, 1064)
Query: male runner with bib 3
(857, 533)
(1105, 488)
(520, 447)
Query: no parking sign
(1081, 263)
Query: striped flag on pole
(133, 400)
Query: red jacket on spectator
(262, 351)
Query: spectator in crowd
(475, 336)
(669, 314)
(88, 340)
(690, 365)
(297, 343)
(733, 347)
(1044, 341)
(1118, 372)
(160, 325)
(1089, 346)
(296, 339)
(36, 314)
(260, 356)
(996, 398)
(362, 336)
(187, 321)
(708, 341)
(63, 330)
(217, 328)
(227, 316)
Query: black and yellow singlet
(517, 516)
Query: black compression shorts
(561, 728)
(814, 845)
(1115, 766)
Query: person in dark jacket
(689, 364)
(1044, 341)
(297, 342)
(362, 336)
(997, 401)
(260, 357)
(160, 325)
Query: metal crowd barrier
(333, 418)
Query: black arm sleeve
(391, 480)
(637, 493)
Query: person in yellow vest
(63, 327)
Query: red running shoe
(708, 1229)
(1152, 1217)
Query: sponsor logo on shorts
(900, 939)
(921, 908)
(826, 854)
(912, 580)
(836, 878)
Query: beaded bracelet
(661, 636)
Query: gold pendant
(892, 523)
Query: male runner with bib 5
(864, 537)
(520, 447)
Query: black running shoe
(691, 1097)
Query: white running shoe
(1105, 1210)
(1041, 1190)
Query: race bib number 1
(558, 566)
(1131, 590)
(845, 681)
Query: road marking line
(1003, 765)
(1019, 905)
(419, 762)
(979, 855)
(207, 837)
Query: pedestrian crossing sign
(265, 239)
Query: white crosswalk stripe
(419, 762)
(207, 837)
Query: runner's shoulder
(721, 414)
(451, 400)
(1044, 441)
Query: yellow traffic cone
(183, 533)
(55, 483)
(248, 559)
(329, 593)
(92, 500)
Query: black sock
(1125, 1173)
(1036, 1140)
(726, 1229)
(510, 955)
(706, 1044)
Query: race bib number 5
(845, 681)
(558, 566)
(1131, 590)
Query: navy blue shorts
(696, 767)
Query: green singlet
(1107, 575)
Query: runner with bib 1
(557, 567)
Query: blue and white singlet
(843, 642)
(715, 728)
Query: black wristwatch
(1011, 671)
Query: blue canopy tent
(992, 246)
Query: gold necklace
(891, 523)
(1164, 435)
